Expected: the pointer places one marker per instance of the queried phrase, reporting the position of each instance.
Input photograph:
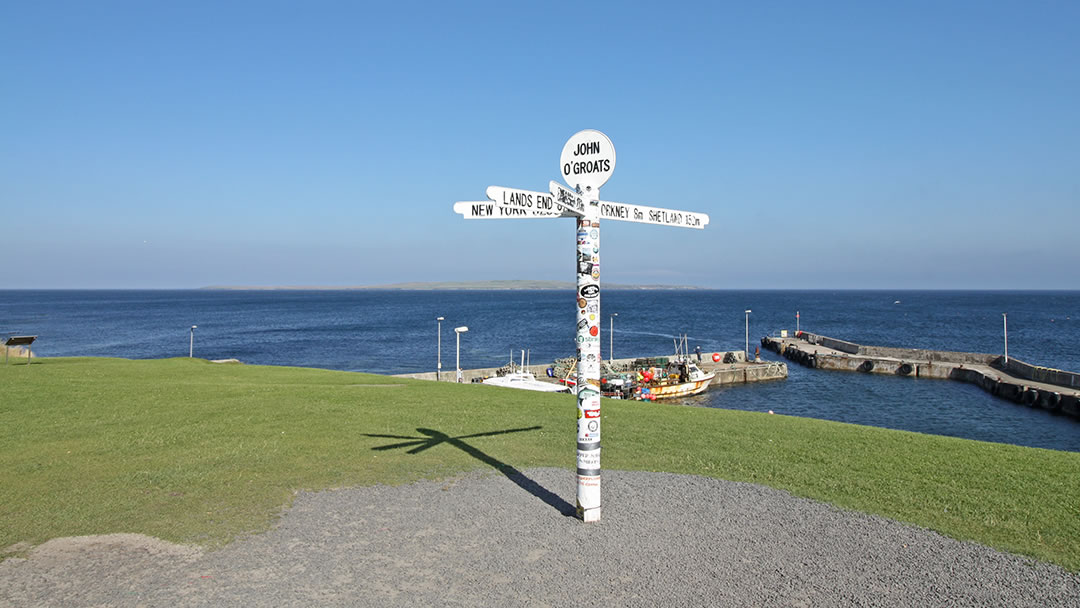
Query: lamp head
(461, 329)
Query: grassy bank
(196, 452)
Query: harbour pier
(737, 371)
(1050, 389)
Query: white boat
(525, 380)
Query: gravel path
(487, 540)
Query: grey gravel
(495, 540)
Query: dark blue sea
(395, 332)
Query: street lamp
(748, 311)
(438, 370)
(191, 343)
(611, 333)
(459, 331)
(1005, 323)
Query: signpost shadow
(432, 438)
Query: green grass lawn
(195, 452)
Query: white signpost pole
(588, 377)
(587, 161)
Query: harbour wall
(739, 372)
(751, 372)
(1065, 402)
(1014, 367)
(899, 353)
(1036, 373)
(1034, 386)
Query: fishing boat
(523, 379)
(680, 378)
(689, 380)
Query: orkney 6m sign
(652, 215)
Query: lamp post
(611, 333)
(796, 323)
(191, 343)
(459, 331)
(1005, 324)
(748, 311)
(438, 349)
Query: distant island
(444, 285)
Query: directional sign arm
(489, 210)
(542, 203)
(644, 214)
(568, 199)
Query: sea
(396, 332)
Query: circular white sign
(587, 160)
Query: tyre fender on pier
(1049, 400)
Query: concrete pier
(1034, 386)
(739, 372)
(744, 372)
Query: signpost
(586, 164)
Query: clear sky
(834, 145)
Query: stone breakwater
(739, 371)
(1031, 385)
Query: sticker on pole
(588, 461)
(588, 160)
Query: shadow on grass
(433, 438)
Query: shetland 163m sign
(652, 215)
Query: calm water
(395, 332)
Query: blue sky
(834, 145)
